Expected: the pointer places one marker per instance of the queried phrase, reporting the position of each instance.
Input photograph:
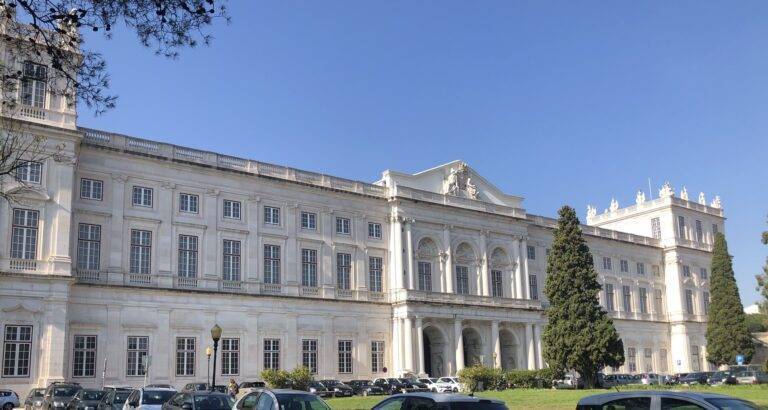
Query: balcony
(408, 295)
(310, 291)
(88, 275)
(183, 282)
(22, 265)
(272, 288)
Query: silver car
(650, 399)
(752, 377)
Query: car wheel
(455, 390)
(8, 406)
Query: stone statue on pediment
(716, 203)
(684, 194)
(471, 189)
(640, 197)
(591, 211)
(702, 198)
(666, 191)
(459, 183)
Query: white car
(650, 379)
(448, 385)
(430, 382)
(148, 398)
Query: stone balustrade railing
(410, 295)
(653, 203)
(598, 232)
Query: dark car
(86, 399)
(650, 399)
(114, 399)
(189, 387)
(724, 377)
(320, 389)
(58, 395)
(199, 400)
(280, 399)
(338, 388)
(365, 388)
(34, 399)
(438, 401)
(694, 378)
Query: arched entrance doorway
(434, 352)
(509, 348)
(473, 347)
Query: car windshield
(213, 402)
(727, 403)
(37, 393)
(483, 405)
(156, 396)
(92, 395)
(121, 396)
(64, 391)
(300, 401)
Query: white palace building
(117, 248)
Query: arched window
(500, 263)
(465, 257)
(426, 253)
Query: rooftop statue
(614, 205)
(684, 194)
(640, 197)
(716, 203)
(666, 191)
(458, 183)
(591, 211)
(702, 198)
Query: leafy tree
(757, 322)
(727, 334)
(762, 280)
(579, 335)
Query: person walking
(232, 389)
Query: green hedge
(479, 378)
(298, 378)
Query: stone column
(495, 343)
(484, 280)
(409, 253)
(408, 343)
(396, 346)
(397, 252)
(448, 267)
(253, 265)
(524, 274)
(459, 340)
(162, 348)
(537, 340)
(420, 345)
(116, 224)
(518, 285)
(291, 254)
(164, 238)
(209, 245)
(530, 346)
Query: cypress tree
(579, 335)
(727, 334)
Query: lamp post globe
(215, 335)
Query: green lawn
(561, 399)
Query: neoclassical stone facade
(120, 248)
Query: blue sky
(560, 102)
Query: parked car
(8, 399)
(694, 378)
(247, 387)
(199, 400)
(651, 379)
(448, 385)
(148, 398)
(279, 399)
(114, 399)
(569, 381)
(86, 399)
(651, 399)
(365, 388)
(58, 395)
(34, 399)
(434, 401)
(338, 388)
(431, 383)
(752, 377)
(724, 377)
(319, 389)
(203, 387)
(607, 381)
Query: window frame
(231, 260)
(309, 349)
(29, 172)
(142, 249)
(626, 293)
(309, 267)
(497, 283)
(271, 353)
(271, 215)
(343, 270)
(189, 203)
(374, 230)
(88, 354)
(343, 226)
(229, 206)
(88, 193)
(533, 286)
(424, 271)
(187, 356)
(272, 263)
(462, 279)
(230, 356)
(142, 196)
(37, 84)
(308, 220)
(188, 256)
(136, 354)
(22, 346)
(345, 349)
(24, 234)
(376, 273)
(377, 355)
(88, 247)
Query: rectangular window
(17, 348)
(141, 251)
(681, 227)
(343, 226)
(230, 357)
(686, 271)
(375, 273)
(272, 264)
(425, 276)
(374, 230)
(640, 268)
(377, 356)
(138, 350)
(84, 357)
(33, 84)
(29, 171)
(88, 246)
(632, 359)
(24, 234)
(643, 300)
(271, 215)
(705, 302)
(497, 284)
(656, 228)
(343, 269)
(648, 359)
(689, 301)
(627, 298)
(715, 229)
(232, 209)
(531, 252)
(624, 266)
(695, 362)
(656, 270)
(185, 356)
(663, 360)
(607, 263)
(142, 196)
(533, 287)
(308, 220)
(658, 301)
(345, 356)
(188, 203)
(703, 273)
(272, 354)
(609, 297)
(462, 280)
(187, 256)
(91, 189)
(309, 354)
(231, 260)
(699, 232)
(309, 268)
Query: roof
(444, 398)
(602, 398)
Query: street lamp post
(216, 335)
(208, 352)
